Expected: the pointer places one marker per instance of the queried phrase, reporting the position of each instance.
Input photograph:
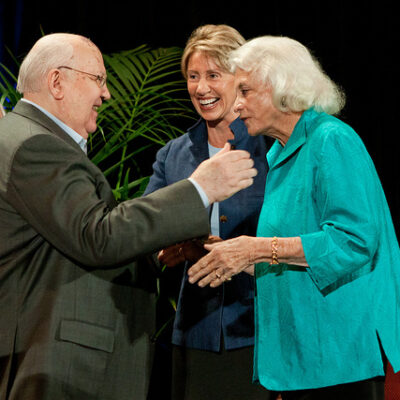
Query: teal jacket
(323, 325)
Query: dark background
(356, 43)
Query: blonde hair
(50, 51)
(217, 41)
(296, 78)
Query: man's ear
(55, 84)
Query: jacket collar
(199, 137)
(29, 111)
(278, 153)
(241, 136)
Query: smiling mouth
(208, 103)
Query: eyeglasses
(101, 80)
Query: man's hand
(225, 173)
(192, 251)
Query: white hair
(50, 51)
(294, 75)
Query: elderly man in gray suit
(69, 307)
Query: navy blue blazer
(203, 314)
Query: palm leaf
(149, 102)
(8, 92)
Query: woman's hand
(225, 259)
(232, 256)
(191, 250)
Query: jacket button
(223, 218)
(233, 147)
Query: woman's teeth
(206, 102)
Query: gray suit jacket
(73, 317)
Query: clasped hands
(191, 250)
(224, 260)
(217, 260)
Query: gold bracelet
(274, 251)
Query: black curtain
(10, 30)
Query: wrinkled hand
(225, 259)
(191, 250)
(225, 173)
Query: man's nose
(105, 95)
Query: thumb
(210, 246)
(225, 149)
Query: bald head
(49, 52)
(65, 75)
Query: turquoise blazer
(327, 324)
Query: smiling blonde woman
(213, 330)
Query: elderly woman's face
(254, 103)
(211, 89)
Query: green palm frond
(8, 92)
(149, 101)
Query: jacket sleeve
(345, 187)
(58, 192)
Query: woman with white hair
(326, 255)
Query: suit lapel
(29, 111)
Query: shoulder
(15, 129)
(35, 151)
(338, 150)
(179, 141)
(26, 125)
(16, 133)
(174, 146)
(326, 126)
(326, 132)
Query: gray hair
(50, 51)
(294, 75)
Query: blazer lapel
(199, 139)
